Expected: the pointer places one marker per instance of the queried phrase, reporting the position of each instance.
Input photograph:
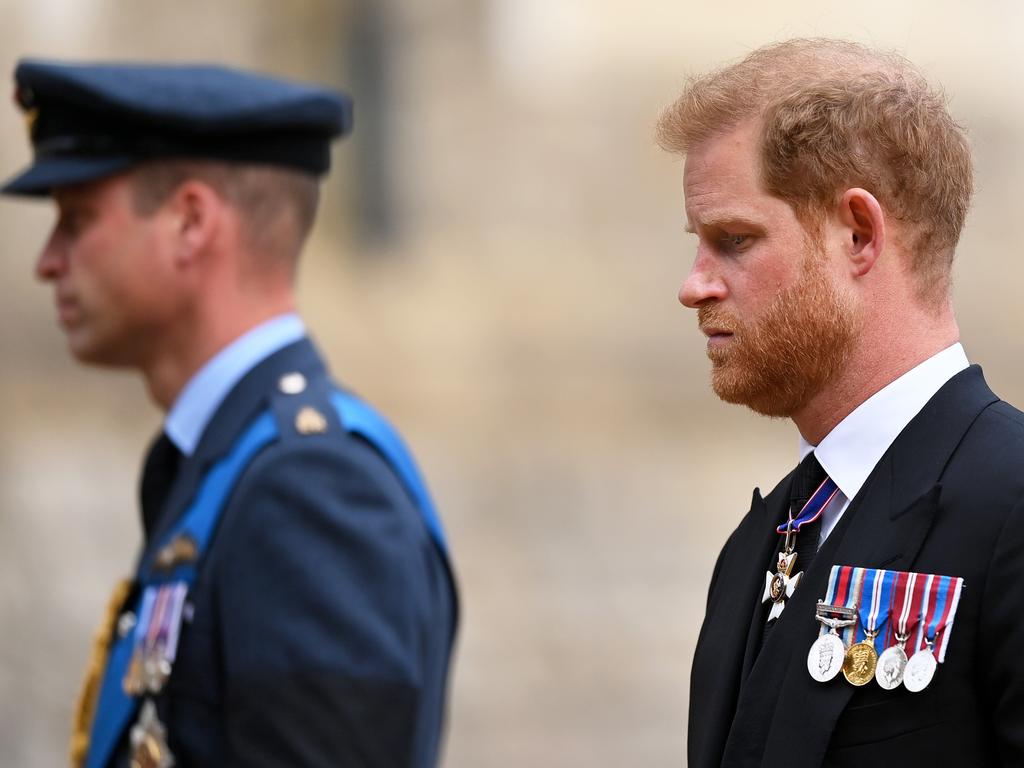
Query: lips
(712, 332)
(67, 310)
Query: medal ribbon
(946, 625)
(180, 590)
(938, 605)
(899, 608)
(926, 612)
(813, 508)
(864, 605)
(856, 587)
(881, 599)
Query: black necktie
(809, 476)
(158, 475)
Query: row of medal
(909, 615)
(154, 647)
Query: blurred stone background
(495, 266)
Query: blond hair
(835, 115)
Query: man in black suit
(827, 186)
(293, 602)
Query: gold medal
(860, 662)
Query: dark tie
(808, 477)
(158, 475)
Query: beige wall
(522, 330)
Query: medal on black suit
(942, 595)
(861, 660)
(779, 586)
(893, 661)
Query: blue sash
(115, 708)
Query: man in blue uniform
(293, 602)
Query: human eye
(735, 242)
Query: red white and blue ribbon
(938, 609)
(813, 508)
(874, 610)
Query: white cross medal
(779, 586)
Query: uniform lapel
(242, 404)
(783, 716)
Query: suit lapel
(884, 527)
(775, 511)
(721, 656)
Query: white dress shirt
(856, 444)
(205, 391)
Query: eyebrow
(726, 219)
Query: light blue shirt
(206, 390)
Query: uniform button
(292, 383)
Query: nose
(52, 261)
(703, 283)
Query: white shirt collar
(205, 391)
(855, 445)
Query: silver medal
(825, 659)
(919, 670)
(890, 667)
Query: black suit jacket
(946, 498)
(324, 613)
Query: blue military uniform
(294, 603)
(323, 615)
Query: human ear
(863, 224)
(196, 210)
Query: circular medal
(825, 658)
(889, 671)
(859, 664)
(919, 670)
(777, 590)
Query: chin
(88, 351)
(761, 394)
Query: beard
(776, 363)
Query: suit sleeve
(1002, 639)
(322, 609)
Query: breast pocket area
(876, 715)
(196, 671)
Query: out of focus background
(495, 266)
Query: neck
(883, 353)
(193, 343)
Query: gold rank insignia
(309, 421)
